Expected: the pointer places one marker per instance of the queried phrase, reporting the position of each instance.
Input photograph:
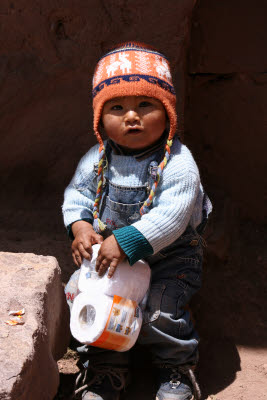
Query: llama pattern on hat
(131, 64)
(163, 68)
(123, 63)
(128, 62)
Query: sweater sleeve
(173, 207)
(133, 243)
(80, 194)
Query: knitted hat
(132, 69)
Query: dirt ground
(249, 381)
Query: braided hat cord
(98, 224)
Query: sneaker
(177, 383)
(100, 382)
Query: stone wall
(227, 99)
(48, 54)
(225, 127)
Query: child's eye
(144, 104)
(116, 107)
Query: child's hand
(85, 237)
(110, 255)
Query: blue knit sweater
(177, 203)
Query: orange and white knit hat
(132, 69)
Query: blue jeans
(167, 329)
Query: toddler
(139, 194)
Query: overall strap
(153, 166)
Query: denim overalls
(167, 329)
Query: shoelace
(99, 373)
(187, 371)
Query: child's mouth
(134, 131)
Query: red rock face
(48, 55)
(228, 98)
(225, 127)
(32, 284)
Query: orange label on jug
(120, 326)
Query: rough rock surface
(48, 52)
(28, 352)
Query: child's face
(134, 122)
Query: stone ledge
(28, 352)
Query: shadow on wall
(225, 107)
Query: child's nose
(131, 116)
